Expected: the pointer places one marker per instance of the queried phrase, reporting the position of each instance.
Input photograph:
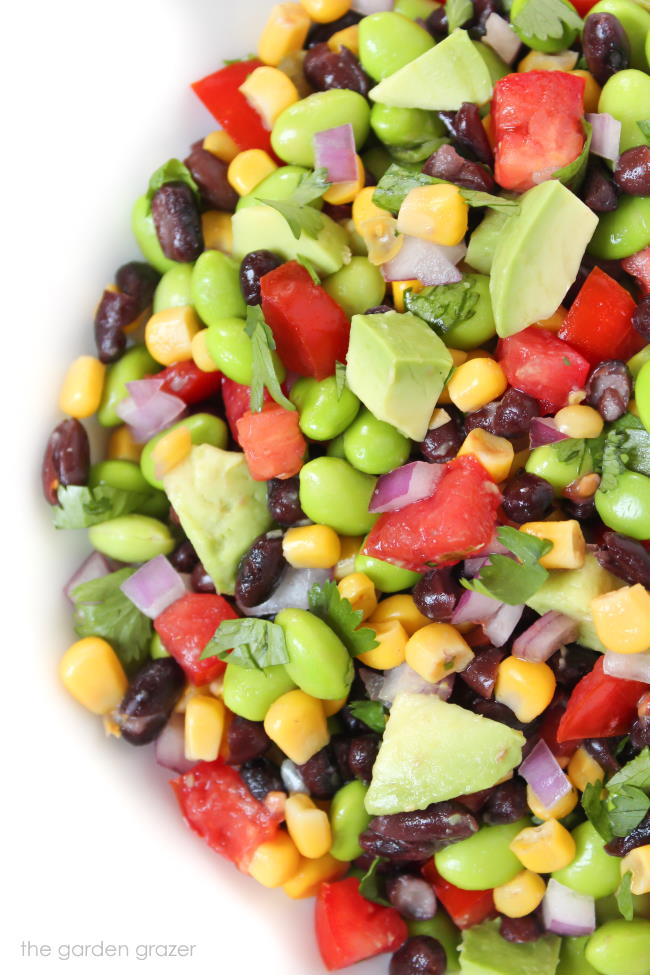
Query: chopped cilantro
(340, 376)
(636, 773)
(566, 360)
(596, 810)
(249, 643)
(417, 152)
(573, 173)
(301, 217)
(370, 884)
(371, 713)
(102, 609)
(477, 198)
(396, 183)
(627, 808)
(311, 187)
(326, 602)
(264, 373)
(513, 581)
(613, 462)
(545, 18)
(81, 507)
(624, 897)
(308, 266)
(570, 449)
(626, 802)
(458, 13)
(173, 171)
(444, 305)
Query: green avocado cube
(485, 952)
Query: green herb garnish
(326, 602)
(81, 507)
(173, 171)
(264, 372)
(102, 609)
(250, 643)
(513, 581)
(545, 18)
(371, 713)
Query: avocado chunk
(397, 366)
(484, 240)
(221, 508)
(261, 227)
(570, 591)
(441, 79)
(538, 255)
(485, 952)
(432, 751)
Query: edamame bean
(323, 414)
(250, 693)
(215, 288)
(593, 871)
(482, 861)
(333, 493)
(125, 475)
(295, 127)
(626, 96)
(626, 507)
(231, 349)
(376, 161)
(623, 231)
(132, 538)
(480, 326)
(348, 819)
(174, 290)
(134, 364)
(442, 928)
(357, 286)
(635, 364)
(203, 427)
(635, 21)
(415, 9)
(144, 232)
(157, 648)
(388, 41)
(551, 45)
(404, 126)
(544, 462)
(319, 663)
(572, 957)
(335, 447)
(620, 948)
(278, 185)
(386, 577)
(642, 388)
(607, 908)
(374, 446)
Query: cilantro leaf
(340, 376)
(644, 125)
(573, 173)
(624, 897)
(326, 602)
(173, 171)
(545, 18)
(444, 305)
(308, 266)
(254, 643)
(311, 187)
(477, 198)
(370, 884)
(635, 443)
(458, 13)
(595, 809)
(396, 183)
(627, 808)
(102, 609)
(371, 713)
(264, 373)
(635, 773)
(81, 507)
(301, 217)
(613, 462)
(570, 449)
(228, 61)
(508, 580)
(627, 801)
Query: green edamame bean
(626, 507)
(626, 96)
(216, 293)
(231, 350)
(388, 41)
(323, 415)
(635, 21)
(620, 948)
(572, 957)
(319, 663)
(544, 462)
(552, 44)
(144, 232)
(642, 388)
(592, 871)
(250, 693)
(327, 482)
(132, 538)
(125, 475)
(295, 127)
(157, 648)
(607, 908)
(374, 446)
(480, 326)
(415, 9)
(348, 819)
(442, 928)
(335, 447)
(404, 126)
(203, 427)
(358, 286)
(174, 290)
(623, 231)
(278, 185)
(134, 364)
(358, 246)
(385, 577)
(483, 860)
(636, 363)
(376, 161)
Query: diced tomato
(218, 806)
(237, 401)
(220, 94)
(311, 331)
(272, 442)
(185, 628)
(465, 907)
(600, 706)
(350, 928)
(583, 6)
(599, 323)
(549, 728)
(537, 126)
(189, 383)
(638, 265)
(441, 530)
(539, 363)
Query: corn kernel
(592, 89)
(521, 895)
(275, 862)
(248, 169)
(168, 334)
(333, 707)
(494, 453)
(346, 191)
(382, 241)
(519, 460)
(269, 91)
(569, 545)
(401, 608)
(359, 589)
(527, 688)
(284, 32)
(475, 383)
(189, 691)
(200, 354)
(579, 421)
(438, 418)
(350, 548)
(458, 356)
(554, 322)
(296, 723)
(308, 827)
(221, 145)
(622, 619)
(122, 446)
(364, 208)
(545, 848)
(217, 231)
(171, 449)
(82, 387)
(561, 808)
(583, 770)
(391, 652)
(538, 61)
(436, 651)
(204, 726)
(435, 213)
(311, 547)
(399, 289)
(325, 11)
(487, 125)
(348, 37)
(92, 673)
(638, 864)
(311, 874)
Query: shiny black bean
(177, 222)
(253, 267)
(497, 712)
(283, 500)
(520, 930)
(474, 801)
(261, 777)
(412, 896)
(514, 413)
(442, 443)
(625, 558)
(632, 171)
(246, 740)
(114, 312)
(605, 46)
(571, 664)
(436, 24)
(378, 310)
(482, 672)
(436, 595)
(470, 132)
(325, 69)
(184, 558)
(447, 164)
(403, 851)
(527, 497)
(138, 280)
(602, 749)
(338, 211)
(259, 571)
(149, 700)
(641, 317)
(66, 459)
(361, 755)
(640, 734)
(200, 581)
(620, 846)
(318, 33)
(211, 176)
(483, 9)
(440, 823)
(609, 387)
(599, 190)
(482, 418)
(419, 955)
(506, 803)
(321, 774)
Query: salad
(370, 520)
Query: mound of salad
(370, 515)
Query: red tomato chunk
(599, 323)
(350, 928)
(272, 442)
(220, 94)
(237, 401)
(639, 266)
(542, 365)
(465, 907)
(600, 706)
(189, 383)
(185, 628)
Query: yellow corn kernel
(438, 419)
(296, 723)
(221, 145)
(311, 547)
(189, 691)
(401, 608)
(633, 408)
(168, 334)
(569, 546)
(311, 874)
(561, 809)
(346, 192)
(348, 37)
(217, 231)
(204, 726)
(579, 421)
(537, 61)
(487, 125)
(399, 289)
(592, 89)
(622, 619)
(308, 827)
(494, 453)
(82, 387)
(92, 673)
(325, 11)
(333, 707)
(200, 354)
(275, 862)
(122, 446)
(437, 650)
(382, 241)
(364, 208)
(359, 589)
(458, 356)
(284, 32)
(583, 770)
(638, 864)
(248, 169)
(519, 460)
(269, 91)
(475, 383)
(391, 652)
(350, 548)
(527, 688)
(545, 848)
(170, 450)
(435, 213)
(521, 895)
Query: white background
(94, 97)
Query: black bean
(401, 851)
(352, 724)
(438, 824)
(609, 387)
(114, 312)
(447, 164)
(443, 443)
(571, 664)
(318, 33)
(66, 459)
(184, 558)
(436, 595)
(139, 280)
(283, 500)
(520, 930)
(211, 176)
(599, 190)
(632, 171)
(361, 755)
(378, 310)
(506, 803)
(326, 69)
(419, 955)
(497, 712)
(200, 580)
(514, 413)
(149, 700)
(259, 571)
(527, 497)
(605, 46)
(640, 734)
(246, 740)
(436, 24)
(602, 749)
(625, 558)
(321, 774)
(470, 132)
(482, 672)
(641, 317)
(177, 222)
(261, 777)
(412, 896)
(253, 267)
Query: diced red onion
(291, 777)
(638, 265)
(499, 628)
(405, 680)
(334, 150)
(500, 36)
(366, 7)
(142, 390)
(291, 592)
(148, 410)
(628, 666)
(546, 635)
(413, 897)
(543, 430)
(426, 262)
(154, 586)
(407, 484)
(94, 567)
(474, 607)
(568, 913)
(605, 135)
(373, 681)
(170, 746)
(543, 774)
(472, 567)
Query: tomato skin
(189, 383)
(600, 706)
(218, 806)
(583, 6)
(639, 266)
(272, 442)
(220, 94)
(187, 625)
(465, 907)
(311, 331)
(599, 322)
(542, 365)
(350, 928)
(237, 401)
(455, 522)
(537, 126)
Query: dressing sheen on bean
(295, 127)
(323, 482)
(319, 663)
(144, 232)
(324, 414)
(388, 41)
(482, 861)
